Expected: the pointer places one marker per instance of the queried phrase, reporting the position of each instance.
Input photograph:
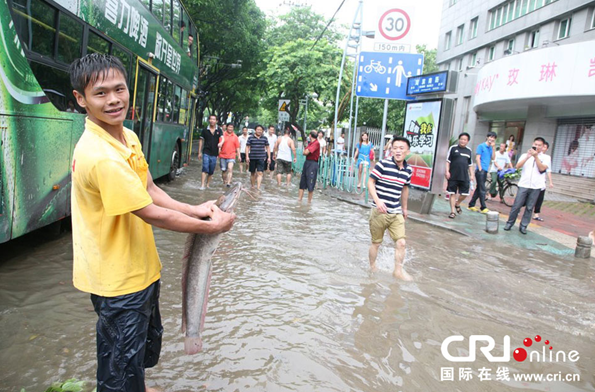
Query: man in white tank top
(283, 150)
(243, 138)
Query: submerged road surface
(293, 307)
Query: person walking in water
(230, 149)
(362, 155)
(258, 154)
(539, 202)
(272, 138)
(389, 188)
(211, 139)
(484, 156)
(243, 138)
(310, 169)
(283, 155)
(114, 206)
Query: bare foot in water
(149, 389)
(373, 268)
(402, 275)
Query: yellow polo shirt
(114, 250)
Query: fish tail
(193, 345)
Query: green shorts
(379, 223)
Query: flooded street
(293, 306)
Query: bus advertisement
(40, 122)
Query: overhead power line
(328, 24)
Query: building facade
(527, 69)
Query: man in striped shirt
(389, 187)
(258, 154)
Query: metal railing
(339, 172)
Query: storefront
(574, 148)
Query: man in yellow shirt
(114, 204)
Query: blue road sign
(384, 75)
(431, 83)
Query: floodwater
(293, 307)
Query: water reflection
(294, 307)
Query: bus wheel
(175, 163)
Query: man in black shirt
(212, 138)
(459, 170)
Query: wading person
(114, 204)
(272, 138)
(283, 154)
(534, 165)
(389, 187)
(322, 143)
(484, 155)
(258, 154)
(340, 145)
(230, 149)
(211, 139)
(459, 173)
(541, 196)
(362, 157)
(243, 138)
(310, 169)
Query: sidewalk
(563, 222)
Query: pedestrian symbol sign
(384, 75)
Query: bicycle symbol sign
(394, 24)
(375, 66)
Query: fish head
(228, 201)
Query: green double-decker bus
(40, 122)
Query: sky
(426, 33)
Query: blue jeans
(526, 197)
(208, 164)
(480, 190)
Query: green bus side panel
(165, 137)
(6, 180)
(42, 173)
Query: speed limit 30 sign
(394, 29)
(394, 24)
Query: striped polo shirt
(390, 181)
(257, 147)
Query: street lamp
(313, 95)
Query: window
(56, 85)
(593, 20)
(509, 47)
(473, 28)
(184, 107)
(472, 60)
(491, 53)
(97, 44)
(126, 61)
(564, 29)
(534, 39)
(460, 64)
(162, 105)
(513, 9)
(460, 32)
(35, 22)
(447, 40)
(157, 9)
(69, 46)
(452, 2)
(176, 18)
(167, 15)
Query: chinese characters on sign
(592, 67)
(513, 75)
(167, 54)
(548, 71)
(129, 21)
(483, 374)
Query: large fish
(196, 276)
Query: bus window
(97, 44)
(177, 97)
(69, 47)
(167, 15)
(35, 22)
(176, 18)
(170, 103)
(56, 85)
(146, 3)
(125, 59)
(185, 27)
(183, 107)
(162, 99)
(157, 9)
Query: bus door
(144, 107)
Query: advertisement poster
(421, 128)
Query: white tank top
(284, 150)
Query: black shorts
(257, 165)
(461, 186)
(309, 174)
(129, 334)
(270, 166)
(242, 157)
